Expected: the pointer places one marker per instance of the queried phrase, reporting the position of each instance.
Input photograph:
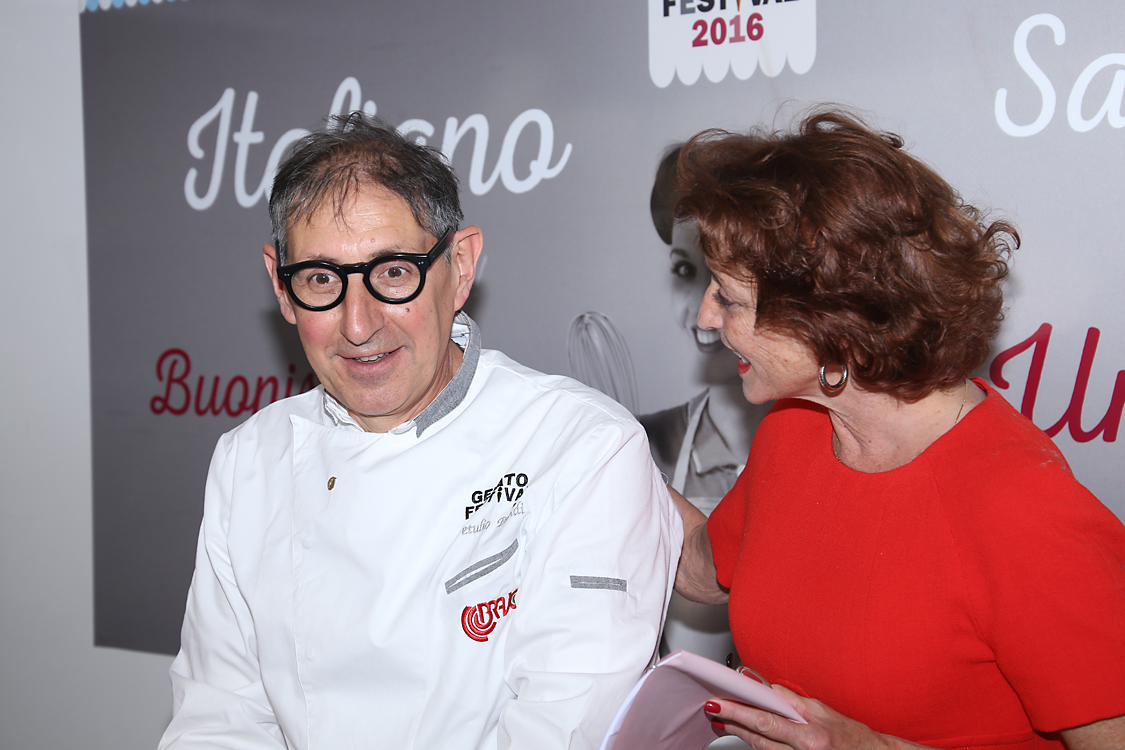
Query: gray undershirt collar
(454, 392)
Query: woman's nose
(709, 318)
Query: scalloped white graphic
(687, 37)
(92, 5)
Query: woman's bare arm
(1108, 734)
(695, 578)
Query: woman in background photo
(907, 559)
(701, 445)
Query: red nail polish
(718, 727)
(712, 707)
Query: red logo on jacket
(480, 620)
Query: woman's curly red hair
(854, 246)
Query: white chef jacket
(492, 574)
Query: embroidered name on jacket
(509, 488)
(480, 619)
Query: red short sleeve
(725, 527)
(1048, 585)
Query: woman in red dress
(907, 558)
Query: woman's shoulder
(794, 417)
(995, 440)
(788, 433)
(995, 465)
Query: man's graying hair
(355, 151)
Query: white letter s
(1035, 73)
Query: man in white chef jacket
(437, 547)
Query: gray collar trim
(337, 413)
(455, 390)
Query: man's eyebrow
(397, 250)
(392, 250)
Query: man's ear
(269, 254)
(467, 244)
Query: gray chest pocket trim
(481, 568)
(598, 582)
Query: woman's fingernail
(718, 727)
(712, 707)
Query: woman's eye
(722, 299)
(682, 269)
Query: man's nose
(363, 314)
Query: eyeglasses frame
(422, 260)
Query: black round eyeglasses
(395, 279)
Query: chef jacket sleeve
(601, 560)
(218, 698)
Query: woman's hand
(826, 729)
(830, 730)
(695, 578)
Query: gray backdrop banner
(555, 116)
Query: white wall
(56, 689)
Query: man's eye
(684, 270)
(399, 275)
(316, 278)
